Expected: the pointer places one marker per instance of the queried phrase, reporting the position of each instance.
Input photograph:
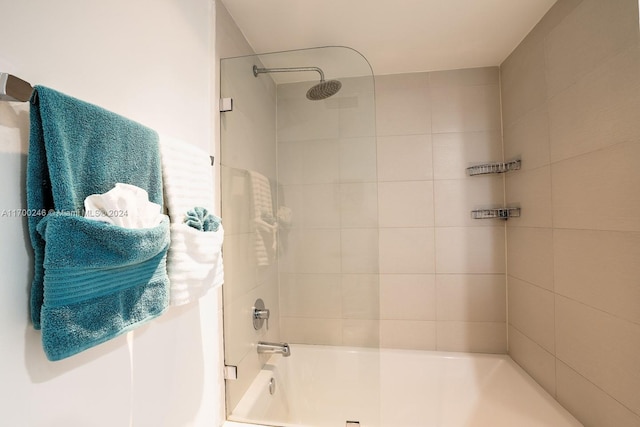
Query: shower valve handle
(260, 314)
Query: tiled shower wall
(429, 277)
(571, 109)
(442, 274)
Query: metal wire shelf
(501, 213)
(499, 167)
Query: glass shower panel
(299, 198)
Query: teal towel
(200, 219)
(92, 280)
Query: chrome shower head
(318, 92)
(323, 90)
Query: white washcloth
(125, 205)
(194, 260)
(266, 228)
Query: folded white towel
(125, 205)
(194, 260)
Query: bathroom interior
(355, 225)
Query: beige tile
(531, 191)
(405, 158)
(239, 266)
(586, 38)
(471, 297)
(298, 162)
(465, 108)
(361, 333)
(406, 250)
(476, 337)
(528, 139)
(290, 167)
(408, 296)
(252, 129)
(588, 403)
(357, 109)
(599, 110)
(363, 85)
(311, 251)
(455, 199)
(359, 248)
(550, 20)
(453, 153)
(311, 295)
(465, 77)
(403, 104)
(236, 209)
(523, 85)
(408, 334)
(326, 171)
(358, 161)
(600, 269)
(358, 205)
(361, 296)
(602, 348)
(469, 250)
(405, 204)
(313, 205)
(301, 120)
(530, 255)
(237, 322)
(311, 331)
(538, 362)
(598, 190)
(531, 311)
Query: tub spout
(274, 348)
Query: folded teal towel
(200, 219)
(100, 281)
(92, 281)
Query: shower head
(318, 92)
(323, 90)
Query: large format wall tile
(471, 297)
(600, 347)
(600, 269)
(405, 158)
(593, 191)
(534, 359)
(598, 111)
(465, 108)
(531, 311)
(530, 255)
(403, 105)
(590, 403)
(470, 250)
(595, 31)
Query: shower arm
(257, 70)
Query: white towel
(266, 228)
(194, 260)
(125, 205)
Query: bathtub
(322, 386)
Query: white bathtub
(322, 386)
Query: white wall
(149, 60)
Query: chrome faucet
(274, 348)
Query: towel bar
(14, 89)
